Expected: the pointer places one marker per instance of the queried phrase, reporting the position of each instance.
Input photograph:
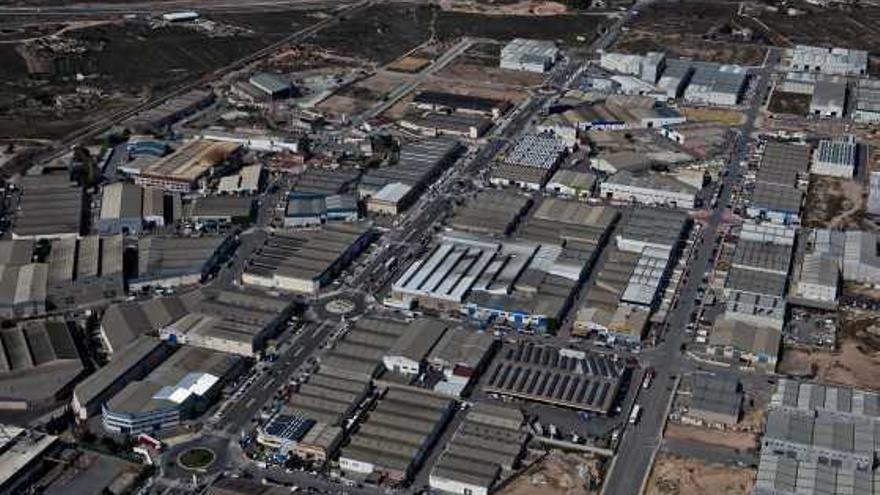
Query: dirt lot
(510, 7)
(701, 30)
(835, 203)
(557, 474)
(732, 439)
(674, 475)
(703, 114)
(566, 28)
(790, 103)
(852, 28)
(855, 363)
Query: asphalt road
(641, 442)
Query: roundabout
(196, 459)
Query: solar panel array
(587, 381)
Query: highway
(640, 443)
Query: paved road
(639, 444)
(710, 453)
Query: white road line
(250, 402)
(297, 351)
(316, 331)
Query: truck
(635, 414)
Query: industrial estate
(452, 247)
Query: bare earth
(525, 7)
(674, 475)
(851, 365)
(557, 474)
(732, 439)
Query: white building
(836, 157)
(840, 61)
(529, 55)
(649, 190)
(621, 63)
(819, 278)
(714, 84)
(874, 194)
(861, 260)
(866, 101)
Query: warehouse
(819, 278)
(562, 377)
(121, 204)
(784, 164)
(328, 398)
(777, 203)
(537, 150)
(460, 356)
(248, 180)
(529, 55)
(290, 434)
(172, 261)
(649, 189)
(231, 321)
(23, 290)
(829, 99)
(130, 363)
(491, 213)
(716, 399)
(737, 340)
(836, 157)
(398, 185)
(326, 182)
(466, 104)
(521, 176)
(50, 207)
(84, 273)
(274, 86)
(407, 355)
(482, 451)
(861, 260)
(215, 212)
(675, 78)
(23, 456)
(840, 61)
(572, 184)
(641, 228)
(757, 282)
(396, 436)
(866, 101)
(305, 261)
(180, 388)
(442, 124)
(305, 209)
(124, 323)
(157, 119)
(362, 350)
(39, 364)
(819, 439)
(716, 84)
(183, 170)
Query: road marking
(250, 402)
(316, 331)
(297, 351)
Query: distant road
(96, 128)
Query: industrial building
(165, 261)
(50, 207)
(289, 434)
(866, 101)
(740, 341)
(408, 353)
(819, 439)
(326, 182)
(361, 352)
(133, 362)
(757, 283)
(861, 260)
(675, 78)
(273, 86)
(836, 157)
(396, 436)
(466, 104)
(180, 388)
(491, 212)
(572, 184)
(306, 209)
(84, 273)
(460, 356)
(628, 284)
(22, 454)
(531, 162)
(529, 55)
(839, 61)
(485, 449)
(441, 124)
(829, 99)
(248, 180)
(123, 323)
(776, 203)
(39, 364)
(716, 399)
(561, 377)
(716, 84)
(121, 209)
(23, 290)
(234, 322)
(647, 67)
(214, 212)
(617, 112)
(392, 189)
(527, 282)
(158, 119)
(819, 278)
(183, 170)
(305, 261)
(649, 189)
